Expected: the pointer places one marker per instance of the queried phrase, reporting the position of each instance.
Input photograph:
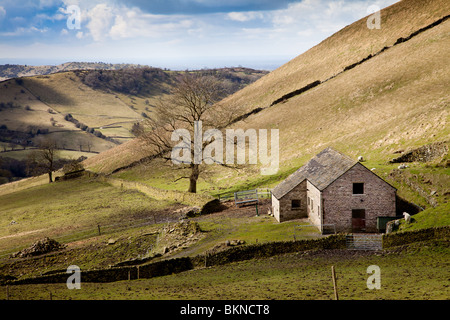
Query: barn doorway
(358, 220)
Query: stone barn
(333, 189)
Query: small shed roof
(321, 171)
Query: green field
(419, 272)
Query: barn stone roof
(321, 171)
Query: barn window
(295, 205)
(358, 188)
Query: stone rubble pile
(41, 246)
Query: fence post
(333, 274)
(98, 227)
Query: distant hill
(89, 111)
(9, 71)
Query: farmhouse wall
(286, 210)
(276, 208)
(379, 199)
(314, 202)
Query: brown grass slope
(396, 100)
(347, 46)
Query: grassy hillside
(72, 209)
(396, 101)
(347, 46)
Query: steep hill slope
(347, 46)
(396, 100)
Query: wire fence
(102, 229)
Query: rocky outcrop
(427, 153)
(42, 246)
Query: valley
(126, 218)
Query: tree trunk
(50, 179)
(193, 178)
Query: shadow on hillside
(46, 93)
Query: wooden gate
(246, 197)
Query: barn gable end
(343, 206)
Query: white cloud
(100, 21)
(244, 16)
(24, 31)
(2, 12)
(106, 21)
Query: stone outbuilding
(334, 190)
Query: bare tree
(195, 98)
(45, 156)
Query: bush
(72, 166)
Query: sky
(174, 34)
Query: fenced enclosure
(246, 196)
(359, 241)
